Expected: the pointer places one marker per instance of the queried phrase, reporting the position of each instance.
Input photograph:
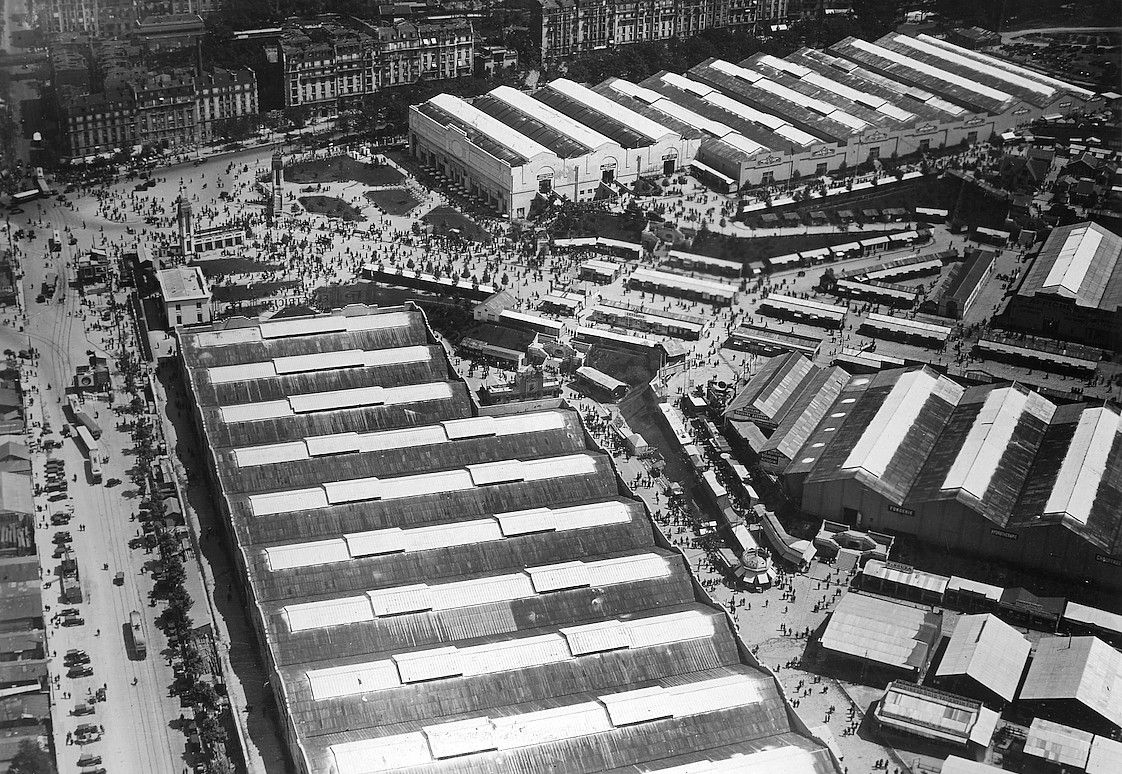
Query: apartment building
(573, 26)
(134, 107)
(222, 95)
(330, 67)
(114, 18)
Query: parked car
(63, 536)
(58, 519)
(80, 671)
(83, 709)
(68, 611)
(75, 656)
(73, 621)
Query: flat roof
(183, 283)
(935, 714)
(1058, 743)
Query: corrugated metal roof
(442, 573)
(1105, 756)
(993, 429)
(1082, 668)
(935, 714)
(878, 630)
(895, 417)
(988, 650)
(601, 104)
(1060, 744)
(491, 127)
(333, 682)
(1084, 464)
(929, 70)
(331, 612)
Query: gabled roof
(880, 630)
(988, 650)
(1082, 263)
(1083, 669)
(445, 589)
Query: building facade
(134, 108)
(569, 27)
(330, 67)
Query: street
(139, 716)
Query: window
(545, 186)
(608, 176)
(925, 145)
(768, 178)
(821, 169)
(972, 138)
(874, 153)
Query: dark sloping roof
(1081, 262)
(438, 588)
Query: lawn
(230, 293)
(218, 266)
(444, 220)
(341, 169)
(393, 201)
(331, 206)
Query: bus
(41, 183)
(93, 465)
(87, 439)
(23, 197)
(136, 632)
(56, 242)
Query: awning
(880, 240)
(849, 247)
(708, 170)
(813, 255)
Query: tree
(31, 758)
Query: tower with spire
(277, 204)
(186, 225)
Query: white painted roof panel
(926, 69)
(601, 104)
(432, 664)
(351, 680)
(1074, 261)
(892, 422)
(492, 127)
(370, 756)
(947, 54)
(414, 598)
(461, 737)
(1009, 66)
(241, 372)
(550, 117)
(1081, 472)
(307, 554)
(329, 612)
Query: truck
(136, 632)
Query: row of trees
(195, 683)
